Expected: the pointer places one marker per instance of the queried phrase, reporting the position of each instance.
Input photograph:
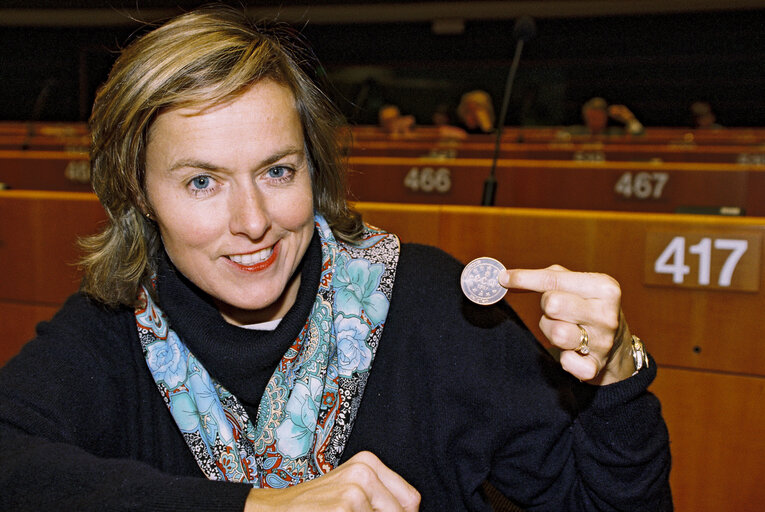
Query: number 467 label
(721, 261)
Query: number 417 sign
(719, 261)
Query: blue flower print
(353, 354)
(185, 412)
(167, 360)
(356, 283)
(295, 435)
(213, 419)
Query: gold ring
(584, 347)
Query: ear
(145, 209)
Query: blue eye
(200, 182)
(277, 172)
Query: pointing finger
(557, 278)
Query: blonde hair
(477, 97)
(201, 57)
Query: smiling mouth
(255, 261)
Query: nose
(248, 213)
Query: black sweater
(458, 394)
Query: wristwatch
(639, 355)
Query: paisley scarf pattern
(309, 405)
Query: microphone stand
(524, 28)
(42, 97)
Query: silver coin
(480, 281)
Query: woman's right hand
(363, 483)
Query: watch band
(639, 355)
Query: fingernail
(504, 278)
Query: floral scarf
(309, 405)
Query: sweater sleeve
(39, 474)
(77, 429)
(622, 445)
(583, 447)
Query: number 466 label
(721, 261)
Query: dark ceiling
(122, 12)
(657, 56)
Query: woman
(243, 342)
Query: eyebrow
(208, 166)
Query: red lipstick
(262, 265)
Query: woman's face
(230, 189)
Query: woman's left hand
(575, 303)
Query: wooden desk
(38, 253)
(557, 134)
(593, 152)
(44, 136)
(45, 143)
(614, 186)
(617, 186)
(43, 128)
(45, 170)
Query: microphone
(524, 29)
(42, 97)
